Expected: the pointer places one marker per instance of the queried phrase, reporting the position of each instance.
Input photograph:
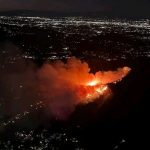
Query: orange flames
(92, 91)
(65, 85)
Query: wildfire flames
(65, 85)
(91, 91)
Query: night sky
(137, 8)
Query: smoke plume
(65, 85)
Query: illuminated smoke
(65, 85)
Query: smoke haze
(65, 85)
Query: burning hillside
(65, 85)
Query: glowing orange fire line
(92, 90)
